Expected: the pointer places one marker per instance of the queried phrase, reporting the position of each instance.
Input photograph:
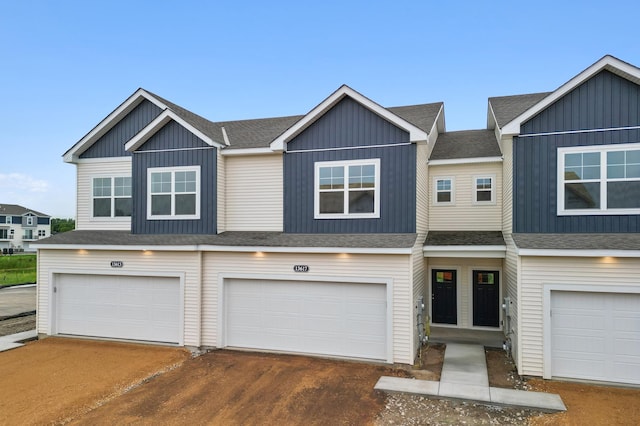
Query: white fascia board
(465, 161)
(157, 124)
(242, 249)
(577, 253)
(493, 252)
(415, 134)
(492, 123)
(108, 122)
(127, 159)
(608, 62)
(350, 250)
(247, 151)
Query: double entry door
(485, 294)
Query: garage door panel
(595, 336)
(309, 317)
(122, 307)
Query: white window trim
(316, 189)
(474, 190)
(602, 149)
(29, 220)
(435, 191)
(173, 216)
(8, 220)
(111, 218)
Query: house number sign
(117, 264)
(301, 268)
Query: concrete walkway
(464, 376)
(13, 341)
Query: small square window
(484, 190)
(444, 191)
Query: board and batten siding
(464, 288)
(538, 271)
(254, 193)
(333, 267)
(464, 215)
(98, 262)
(85, 172)
(175, 146)
(221, 185)
(111, 144)
(349, 131)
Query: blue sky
(68, 64)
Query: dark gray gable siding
(170, 137)
(606, 100)
(349, 124)
(112, 143)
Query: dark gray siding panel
(397, 188)
(172, 136)
(348, 124)
(205, 158)
(112, 143)
(535, 185)
(43, 221)
(604, 101)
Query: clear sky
(65, 65)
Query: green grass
(17, 269)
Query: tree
(62, 225)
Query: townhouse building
(350, 230)
(20, 227)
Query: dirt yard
(70, 381)
(228, 388)
(54, 379)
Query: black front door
(486, 298)
(444, 306)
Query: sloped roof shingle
(600, 241)
(506, 108)
(14, 209)
(465, 144)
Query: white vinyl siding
(185, 264)
(538, 271)
(86, 171)
(254, 198)
(422, 223)
(465, 215)
(333, 267)
(507, 185)
(464, 285)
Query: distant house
(20, 226)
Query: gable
(348, 124)
(172, 136)
(111, 144)
(604, 101)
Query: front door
(444, 306)
(486, 298)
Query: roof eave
(607, 62)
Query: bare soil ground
(228, 388)
(17, 325)
(61, 381)
(50, 380)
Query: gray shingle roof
(464, 238)
(611, 241)
(506, 108)
(466, 144)
(234, 239)
(14, 209)
(259, 133)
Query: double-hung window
(112, 197)
(444, 191)
(484, 189)
(597, 180)
(173, 193)
(347, 189)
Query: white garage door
(121, 307)
(342, 319)
(595, 336)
